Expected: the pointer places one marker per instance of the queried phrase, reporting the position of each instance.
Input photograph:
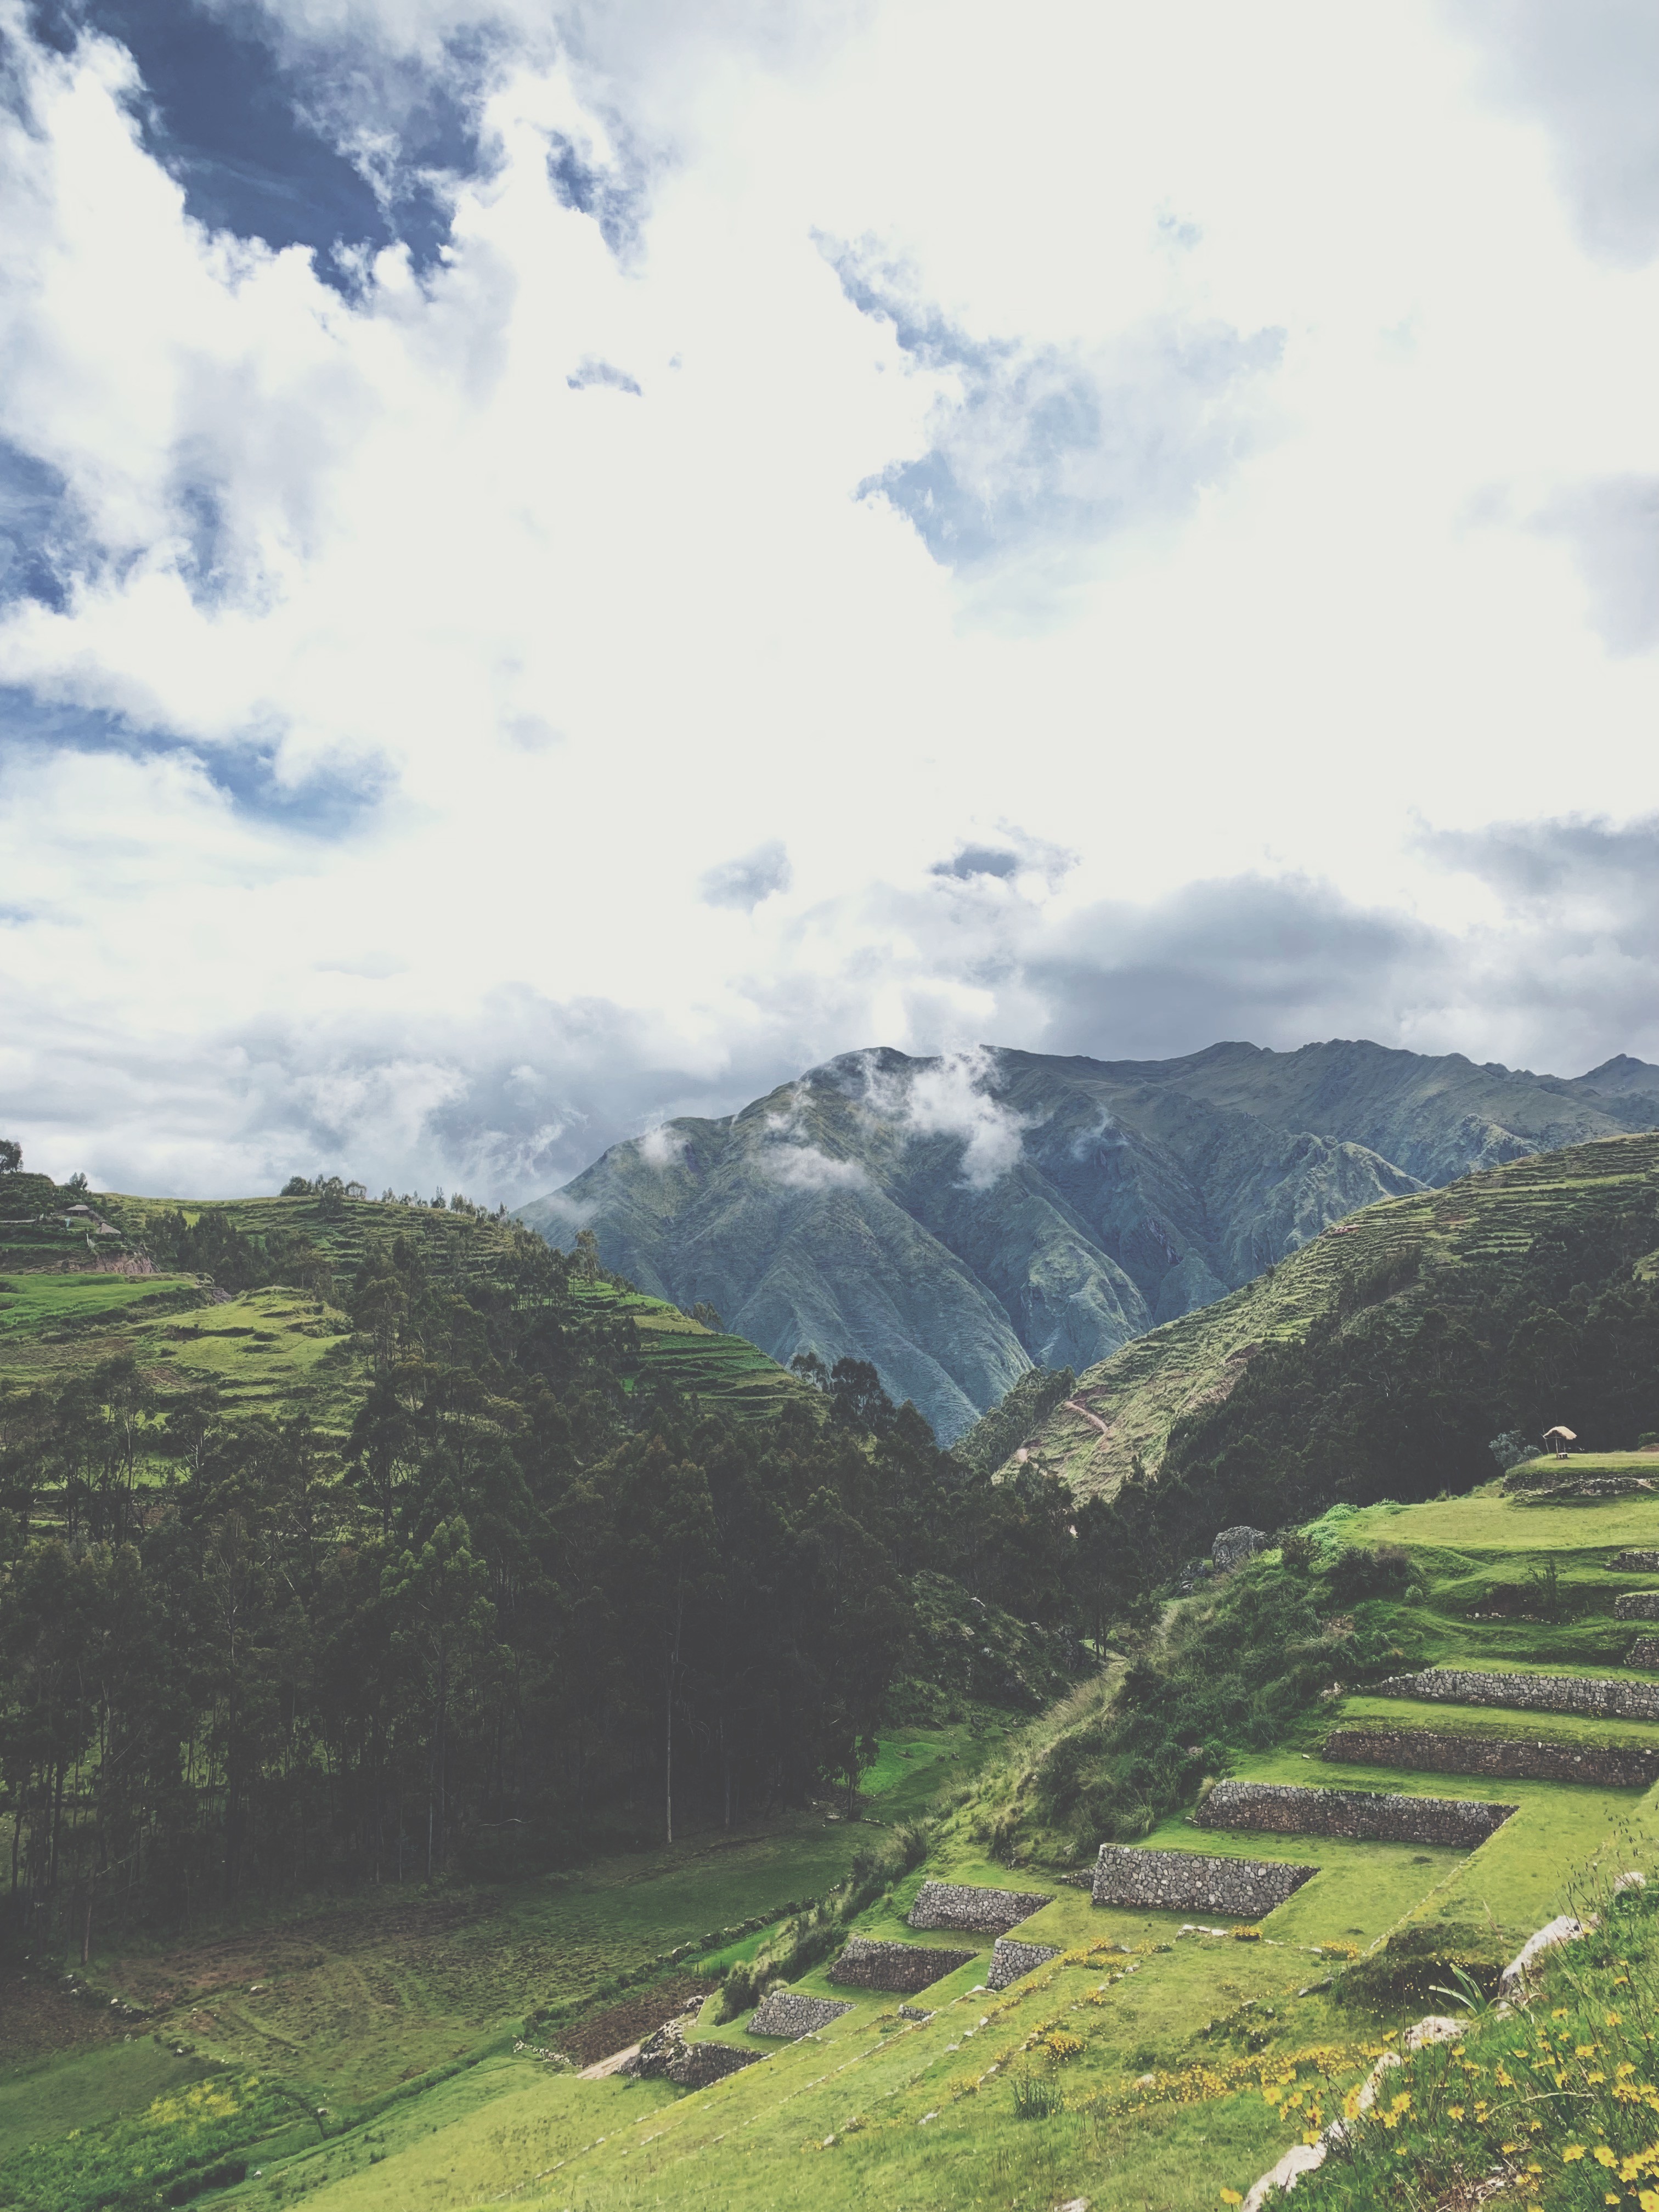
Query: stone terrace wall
(1532, 1693)
(903, 1967)
(1644, 1652)
(705, 2064)
(1637, 1605)
(1010, 1962)
(1424, 1751)
(982, 1912)
(1634, 1563)
(789, 2015)
(1364, 1816)
(1185, 1881)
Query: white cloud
(952, 1097)
(803, 1167)
(663, 1146)
(427, 756)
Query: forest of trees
(518, 1613)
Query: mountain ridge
(958, 1219)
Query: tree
(11, 1156)
(440, 1606)
(296, 1187)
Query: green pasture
(1487, 1521)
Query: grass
(1150, 2064)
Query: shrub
(1036, 2097)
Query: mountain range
(958, 1219)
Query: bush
(1359, 1573)
(1036, 2097)
(813, 1933)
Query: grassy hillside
(1153, 2061)
(74, 1297)
(1437, 1249)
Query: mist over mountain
(955, 1220)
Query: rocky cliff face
(955, 1220)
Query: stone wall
(1637, 1605)
(704, 2064)
(1644, 1652)
(903, 1968)
(1634, 1563)
(789, 2015)
(1363, 1816)
(1424, 1751)
(1010, 1962)
(982, 1911)
(1531, 1693)
(666, 2056)
(1185, 1881)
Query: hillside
(447, 2049)
(1463, 1250)
(89, 1277)
(955, 1221)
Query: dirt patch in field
(36, 2018)
(630, 2021)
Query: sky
(560, 565)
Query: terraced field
(1140, 1392)
(73, 1297)
(1160, 2058)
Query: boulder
(1234, 1546)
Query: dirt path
(1093, 1419)
(606, 2067)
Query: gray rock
(1234, 1546)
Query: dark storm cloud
(1589, 72)
(1271, 961)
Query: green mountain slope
(1454, 1250)
(955, 1221)
(85, 1278)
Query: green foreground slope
(1151, 2061)
(1434, 1248)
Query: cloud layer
(513, 628)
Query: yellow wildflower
(1604, 2156)
(1231, 2196)
(1573, 2152)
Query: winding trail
(1093, 1419)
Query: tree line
(516, 1611)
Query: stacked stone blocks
(1426, 1751)
(1637, 1605)
(1362, 1816)
(1010, 1962)
(1187, 1881)
(952, 1905)
(1548, 1694)
(903, 1968)
(789, 2016)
